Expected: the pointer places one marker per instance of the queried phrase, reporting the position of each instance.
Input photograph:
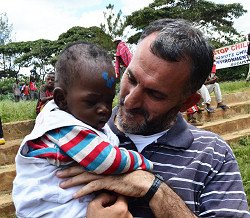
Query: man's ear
(59, 96)
(190, 101)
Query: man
(210, 86)
(200, 174)
(122, 57)
(16, 91)
(33, 88)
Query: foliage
(5, 37)
(216, 20)
(6, 86)
(16, 111)
(42, 54)
(233, 73)
(242, 154)
(5, 29)
(92, 34)
(114, 25)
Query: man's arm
(165, 202)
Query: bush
(233, 73)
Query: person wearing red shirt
(33, 88)
(123, 56)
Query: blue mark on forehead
(109, 81)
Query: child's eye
(90, 103)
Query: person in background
(192, 111)
(71, 129)
(248, 53)
(25, 90)
(210, 86)
(122, 56)
(2, 140)
(16, 91)
(46, 91)
(33, 88)
(200, 176)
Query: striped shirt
(199, 166)
(78, 143)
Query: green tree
(114, 25)
(5, 37)
(5, 29)
(216, 20)
(92, 34)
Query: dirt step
(234, 137)
(8, 151)
(232, 98)
(7, 175)
(17, 130)
(226, 126)
(7, 209)
(235, 109)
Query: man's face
(151, 92)
(90, 98)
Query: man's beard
(147, 126)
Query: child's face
(50, 81)
(90, 99)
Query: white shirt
(142, 141)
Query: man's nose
(134, 99)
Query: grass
(25, 110)
(17, 111)
(236, 86)
(242, 154)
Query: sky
(47, 19)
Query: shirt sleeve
(42, 93)
(95, 155)
(223, 195)
(126, 55)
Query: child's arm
(95, 155)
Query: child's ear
(59, 96)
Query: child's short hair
(78, 57)
(52, 73)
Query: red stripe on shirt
(76, 140)
(37, 144)
(143, 165)
(94, 153)
(132, 163)
(116, 162)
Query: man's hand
(110, 206)
(134, 184)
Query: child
(46, 92)
(71, 128)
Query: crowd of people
(25, 90)
(194, 174)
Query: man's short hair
(177, 39)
